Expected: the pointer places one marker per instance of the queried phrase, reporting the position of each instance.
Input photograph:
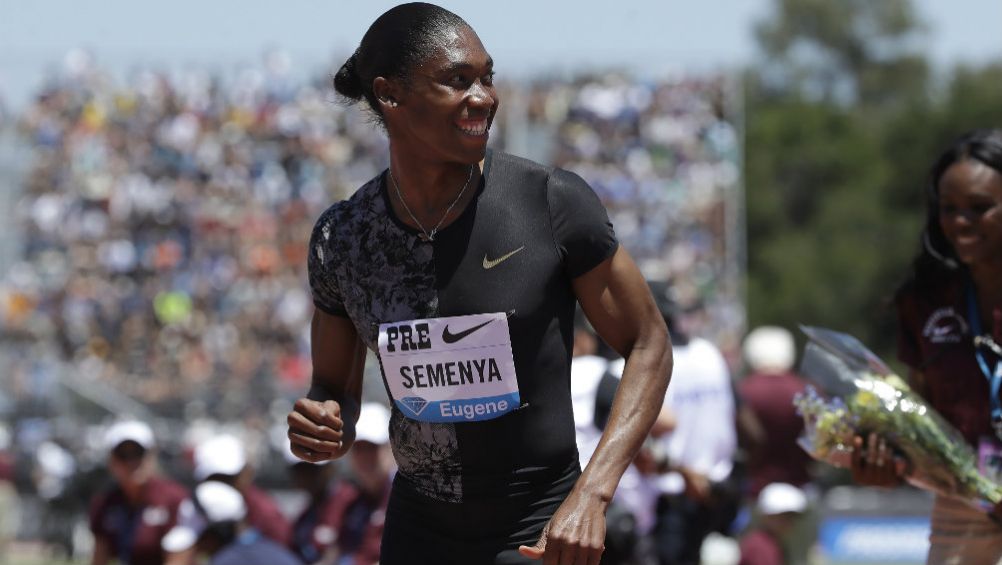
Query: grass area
(33, 554)
(36, 560)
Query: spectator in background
(343, 521)
(593, 387)
(663, 156)
(223, 458)
(153, 260)
(214, 522)
(314, 531)
(779, 508)
(53, 475)
(361, 504)
(768, 392)
(587, 370)
(949, 334)
(130, 519)
(693, 462)
(9, 501)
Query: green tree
(823, 246)
(850, 52)
(843, 122)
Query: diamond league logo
(415, 404)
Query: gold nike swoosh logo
(491, 263)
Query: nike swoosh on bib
(491, 263)
(449, 337)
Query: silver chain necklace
(425, 234)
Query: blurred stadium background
(154, 217)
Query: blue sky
(524, 36)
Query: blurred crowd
(164, 229)
(164, 224)
(665, 159)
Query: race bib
(455, 369)
(990, 458)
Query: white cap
(718, 549)
(217, 502)
(54, 460)
(373, 424)
(780, 498)
(131, 430)
(219, 455)
(770, 348)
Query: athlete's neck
(133, 492)
(430, 187)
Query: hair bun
(347, 83)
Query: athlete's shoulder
(558, 184)
(507, 161)
(352, 210)
(525, 164)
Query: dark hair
(400, 38)
(937, 255)
(664, 298)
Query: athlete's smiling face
(445, 108)
(970, 211)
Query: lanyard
(994, 378)
(248, 537)
(126, 535)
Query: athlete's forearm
(635, 409)
(350, 401)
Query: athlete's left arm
(618, 303)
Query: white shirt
(586, 374)
(702, 399)
(634, 491)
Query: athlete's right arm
(322, 424)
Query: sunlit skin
(438, 119)
(970, 215)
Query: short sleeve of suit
(324, 283)
(582, 231)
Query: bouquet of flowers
(862, 395)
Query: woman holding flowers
(950, 320)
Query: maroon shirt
(347, 518)
(264, 514)
(760, 548)
(935, 338)
(6, 467)
(781, 459)
(115, 521)
(359, 519)
(314, 531)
